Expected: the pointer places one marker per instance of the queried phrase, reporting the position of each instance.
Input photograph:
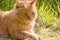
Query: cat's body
(19, 22)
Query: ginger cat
(19, 22)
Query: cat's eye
(33, 13)
(17, 7)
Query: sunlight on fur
(18, 23)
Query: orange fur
(19, 22)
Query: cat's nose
(25, 6)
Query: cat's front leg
(30, 35)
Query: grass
(48, 34)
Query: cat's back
(1, 12)
(3, 32)
(0, 15)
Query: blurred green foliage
(49, 11)
(6, 4)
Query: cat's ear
(18, 2)
(33, 2)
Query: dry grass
(48, 34)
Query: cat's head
(24, 3)
(26, 7)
